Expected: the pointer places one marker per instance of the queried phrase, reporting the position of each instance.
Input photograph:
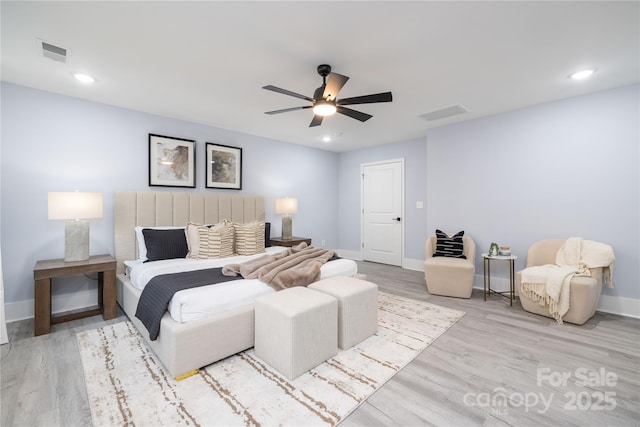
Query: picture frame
(172, 161)
(223, 165)
(493, 249)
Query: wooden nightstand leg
(100, 290)
(109, 310)
(42, 312)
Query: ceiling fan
(325, 101)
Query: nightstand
(278, 241)
(45, 270)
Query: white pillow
(193, 239)
(142, 247)
(131, 264)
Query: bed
(196, 340)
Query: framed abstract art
(172, 161)
(223, 166)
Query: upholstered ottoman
(296, 329)
(357, 307)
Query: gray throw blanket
(298, 266)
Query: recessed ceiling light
(84, 78)
(582, 74)
(326, 138)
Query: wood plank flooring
(495, 367)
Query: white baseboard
(622, 306)
(500, 284)
(608, 304)
(413, 264)
(619, 305)
(22, 310)
(408, 263)
(354, 255)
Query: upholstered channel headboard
(148, 209)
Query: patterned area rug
(127, 385)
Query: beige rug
(127, 385)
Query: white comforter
(192, 304)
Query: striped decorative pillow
(449, 246)
(249, 238)
(210, 242)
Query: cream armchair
(452, 277)
(583, 295)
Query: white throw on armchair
(447, 276)
(584, 290)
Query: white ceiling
(206, 62)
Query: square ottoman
(296, 329)
(357, 307)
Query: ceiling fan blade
(285, 110)
(316, 121)
(366, 99)
(363, 117)
(287, 92)
(334, 84)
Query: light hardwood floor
(495, 367)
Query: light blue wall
(56, 143)
(568, 168)
(557, 170)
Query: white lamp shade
(286, 205)
(75, 205)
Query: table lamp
(286, 206)
(76, 208)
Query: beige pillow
(249, 238)
(210, 242)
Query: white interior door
(382, 212)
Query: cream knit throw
(587, 254)
(549, 284)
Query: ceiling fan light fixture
(324, 108)
(325, 102)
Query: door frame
(402, 207)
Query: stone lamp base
(286, 227)
(76, 241)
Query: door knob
(397, 219)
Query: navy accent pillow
(165, 244)
(267, 234)
(449, 246)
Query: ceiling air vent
(54, 52)
(444, 112)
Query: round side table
(487, 276)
